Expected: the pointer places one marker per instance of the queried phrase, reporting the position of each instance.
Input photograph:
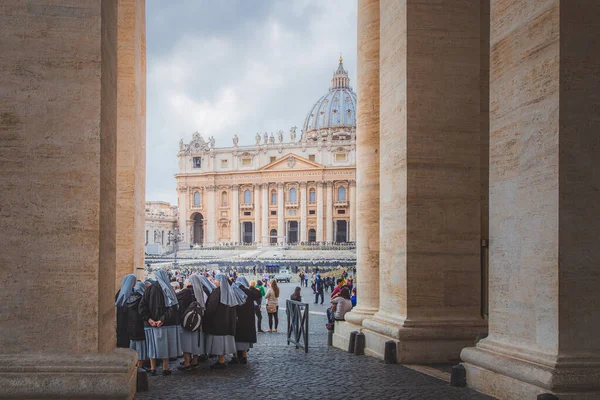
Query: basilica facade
(286, 188)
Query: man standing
(319, 289)
(301, 276)
(257, 303)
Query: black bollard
(458, 377)
(359, 346)
(390, 353)
(329, 337)
(352, 341)
(142, 380)
(547, 396)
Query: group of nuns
(149, 317)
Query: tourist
(318, 289)
(192, 341)
(339, 307)
(296, 295)
(219, 321)
(301, 276)
(122, 320)
(258, 303)
(338, 288)
(272, 298)
(306, 276)
(135, 324)
(158, 308)
(353, 297)
(245, 329)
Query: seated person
(338, 288)
(353, 298)
(339, 307)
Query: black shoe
(261, 331)
(234, 360)
(184, 368)
(152, 372)
(166, 372)
(202, 358)
(244, 360)
(218, 365)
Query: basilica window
(197, 199)
(273, 197)
(293, 197)
(341, 157)
(197, 162)
(272, 159)
(312, 196)
(246, 162)
(247, 196)
(224, 163)
(311, 157)
(341, 193)
(224, 199)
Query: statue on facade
(329, 136)
(280, 136)
(235, 140)
(266, 136)
(272, 139)
(258, 139)
(293, 134)
(212, 142)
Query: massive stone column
(182, 216)
(257, 230)
(280, 213)
(430, 274)
(320, 236)
(59, 171)
(367, 171)
(303, 212)
(211, 215)
(329, 212)
(352, 221)
(544, 204)
(235, 214)
(265, 214)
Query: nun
(192, 343)
(159, 310)
(135, 326)
(122, 319)
(245, 329)
(220, 320)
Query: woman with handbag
(272, 298)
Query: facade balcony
(196, 207)
(290, 204)
(246, 206)
(340, 204)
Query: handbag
(271, 308)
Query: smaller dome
(335, 110)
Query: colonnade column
(303, 220)
(182, 215)
(280, 212)
(544, 204)
(329, 212)
(367, 164)
(211, 215)
(430, 228)
(257, 230)
(235, 216)
(320, 211)
(352, 222)
(265, 213)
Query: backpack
(192, 317)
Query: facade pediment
(291, 161)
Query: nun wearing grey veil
(245, 331)
(193, 343)
(220, 320)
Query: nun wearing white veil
(192, 342)
(220, 320)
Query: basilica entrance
(292, 232)
(198, 229)
(247, 232)
(341, 231)
(273, 236)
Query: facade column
(235, 214)
(367, 172)
(63, 345)
(320, 235)
(265, 214)
(182, 216)
(257, 200)
(329, 212)
(303, 212)
(352, 222)
(430, 228)
(544, 205)
(211, 215)
(280, 212)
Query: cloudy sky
(225, 67)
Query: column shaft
(265, 214)
(235, 214)
(211, 215)
(257, 200)
(183, 215)
(280, 213)
(320, 236)
(303, 211)
(352, 221)
(329, 212)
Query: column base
(358, 315)
(512, 373)
(341, 334)
(71, 376)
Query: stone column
(235, 214)
(59, 180)
(320, 235)
(329, 213)
(367, 166)
(182, 216)
(430, 228)
(544, 205)
(280, 212)
(303, 212)
(265, 212)
(257, 230)
(211, 215)
(352, 221)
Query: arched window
(293, 197)
(273, 236)
(312, 196)
(247, 196)
(197, 198)
(273, 197)
(312, 235)
(224, 199)
(341, 193)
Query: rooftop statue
(266, 138)
(272, 139)
(258, 139)
(280, 136)
(235, 140)
(293, 134)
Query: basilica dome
(335, 112)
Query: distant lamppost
(174, 238)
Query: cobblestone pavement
(278, 371)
